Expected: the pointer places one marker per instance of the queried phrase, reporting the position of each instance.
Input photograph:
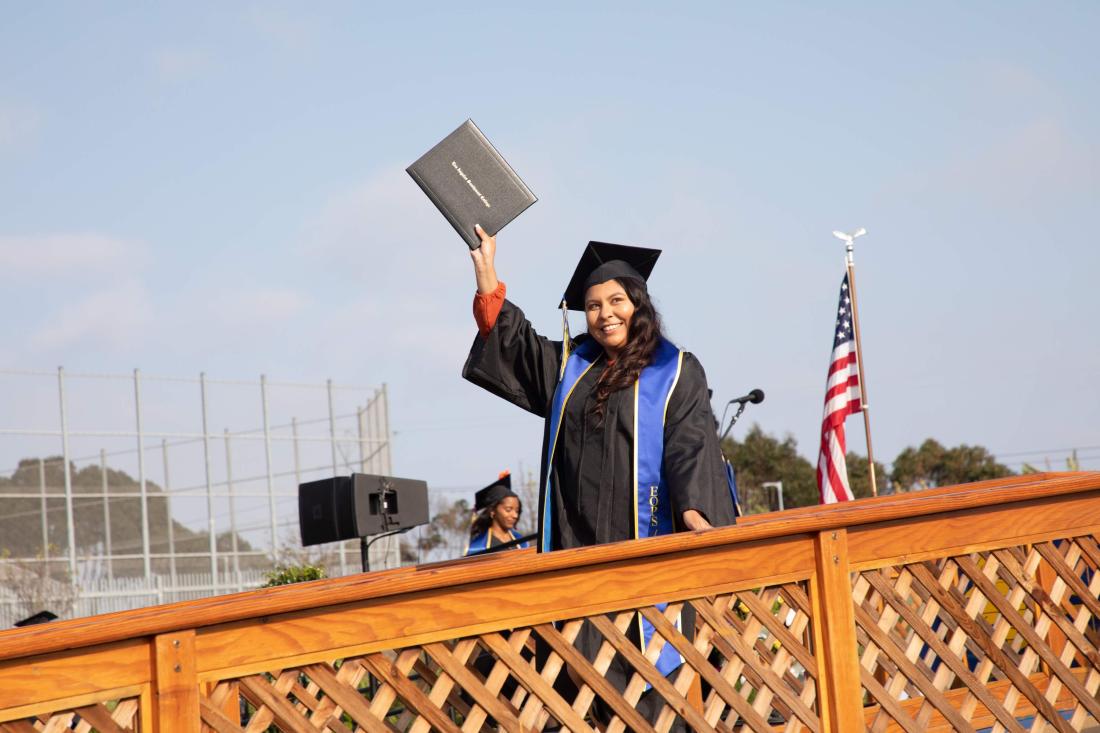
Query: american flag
(842, 399)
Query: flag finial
(849, 239)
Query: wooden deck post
(176, 686)
(840, 694)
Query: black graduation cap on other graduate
(39, 618)
(603, 261)
(494, 492)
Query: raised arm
(485, 271)
(508, 358)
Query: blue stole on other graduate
(484, 541)
(652, 506)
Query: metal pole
(70, 520)
(359, 419)
(331, 426)
(865, 408)
(297, 459)
(382, 459)
(211, 527)
(106, 511)
(270, 476)
(394, 544)
(335, 465)
(45, 515)
(232, 510)
(376, 431)
(376, 455)
(778, 485)
(168, 513)
(146, 561)
(386, 428)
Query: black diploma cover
(471, 183)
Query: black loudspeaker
(346, 507)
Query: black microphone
(754, 397)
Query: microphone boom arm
(740, 409)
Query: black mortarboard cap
(39, 618)
(603, 261)
(494, 492)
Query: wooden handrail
(106, 628)
(817, 610)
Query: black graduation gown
(593, 479)
(593, 491)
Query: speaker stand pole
(364, 545)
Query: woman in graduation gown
(589, 494)
(629, 446)
(498, 511)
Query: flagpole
(864, 407)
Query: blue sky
(221, 188)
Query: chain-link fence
(183, 486)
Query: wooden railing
(955, 608)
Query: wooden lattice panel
(114, 716)
(748, 666)
(1004, 638)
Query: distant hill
(21, 519)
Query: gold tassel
(565, 339)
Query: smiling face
(506, 513)
(608, 310)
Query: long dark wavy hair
(641, 341)
(484, 520)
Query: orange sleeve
(487, 308)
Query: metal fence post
(375, 421)
(232, 511)
(384, 431)
(211, 525)
(270, 475)
(335, 466)
(386, 427)
(168, 512)
(360, 413)
(70, 520)
(297, 458)
(45, 515)
(146, 561)
(104, 485)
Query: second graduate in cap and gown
(629, 446)
(498, 511)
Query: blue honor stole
(652, 507)
(484, 541)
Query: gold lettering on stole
(654, 501)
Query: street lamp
(778, 486)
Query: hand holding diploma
(484, 266)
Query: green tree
(859, 477)
(444, 536)
(760, 458)
(933, 465)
